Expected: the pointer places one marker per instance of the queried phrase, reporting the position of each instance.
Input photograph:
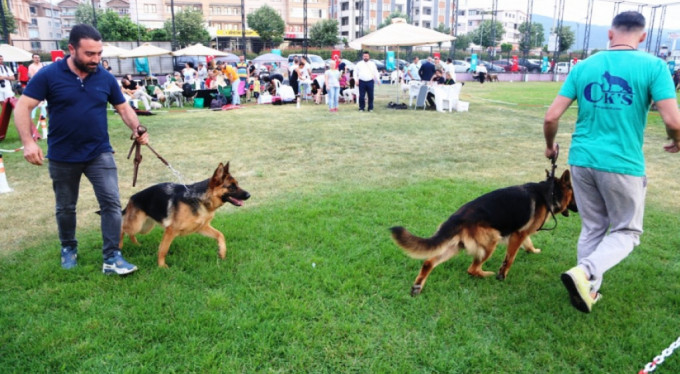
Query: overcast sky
(575, 10)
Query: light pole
(172, 13)
(94, 15)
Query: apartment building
(359, 17)
(45, 28)
(470, 19)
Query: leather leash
(138, 153)
(551, 193)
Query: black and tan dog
(182, 210)
(512, 214)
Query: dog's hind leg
(529, 246)
(212, 232)
(428, 266)
(514, 242)
(168, 236)
(475, 268)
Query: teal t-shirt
(614, 90)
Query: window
(32, 10)
(34, 21)
(344, 6)
(344, 21)
(35, 45)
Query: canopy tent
(269, 57)
(145, 50)
(113, 51)
(11, 53)
(199, 49)
(400, 34)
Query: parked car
(348, 64)
(563, 67)
(317, 64)
(533, 66)
(507, 65)
(491, 68)
(180, 61)
(460, 66)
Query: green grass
(312, 281)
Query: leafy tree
(567, 38)
(189, 28)
(84, 14)
(442, 28)
(114, 27)
(268, 24)
(9, 20)
(158, 35)
(388, 20)
(535, 38)
(482, 34)
(506, 48)
(324, 33)
(463, 41)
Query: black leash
(551, 192)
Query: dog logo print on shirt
(611, 90)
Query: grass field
(312, 281)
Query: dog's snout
(246, 195)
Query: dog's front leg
(529, 246)
(212, 232)
(168, 236)
(514, 242)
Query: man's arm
(132, 121)
(551, 122)
(668, 109)
(23, 122)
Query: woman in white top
(333, 86)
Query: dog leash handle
(553, 159)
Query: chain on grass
(658, 360)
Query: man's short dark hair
(629, 21)
(366, 53)
(83, 31)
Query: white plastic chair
(413, 89)
(446, 97)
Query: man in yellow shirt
(232, 75)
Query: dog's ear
(226, 168)
(218, 176)
(566, 177)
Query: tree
(114, 27)
(567, 38)
(84, 14)
(324, 33)
(506, 48)
(158, 35)
(189, 27)
(268, 24)
(535, 37)
(388, 20)
(463, 41)
(9, 20)
(482, 34)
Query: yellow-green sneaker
(579, 288)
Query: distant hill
(598, 34)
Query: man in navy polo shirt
(78, 91)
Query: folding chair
(422, 96)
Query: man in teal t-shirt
(614, 90)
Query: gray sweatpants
(611, 207)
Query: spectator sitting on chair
(319, 88)
(436, 79)
(131, 89)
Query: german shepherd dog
(511, 214)
(182, 210)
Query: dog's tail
(424, 248)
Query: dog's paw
(534, 250)
(500, 276)
(416, 289)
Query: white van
(563, 67)
(317, 64)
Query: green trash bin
(150, 89)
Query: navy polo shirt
(78, 128)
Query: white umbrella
(145, 50)
(13, 54)
(269, 57)
(199, 50)
(399, 34)
(113, 51)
